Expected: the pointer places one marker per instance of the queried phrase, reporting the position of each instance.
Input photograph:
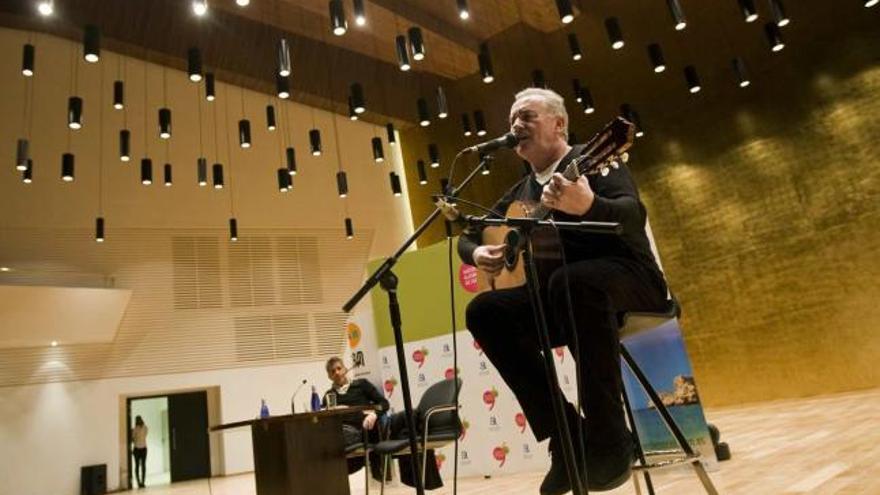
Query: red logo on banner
(389, 386)
(439, 458)
(500, 453)
(467, 277)
(464, 428)
(489, 397)
(419, 356)
(560, 353)
(520, 419)
(478, 348)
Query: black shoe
(610, 466)
(556, 480)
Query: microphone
(508, 140)
(293, 397)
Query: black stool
(630, 324)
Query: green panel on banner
(423, 292)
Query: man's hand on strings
(572, 197)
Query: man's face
(540, 132)
(336, 373)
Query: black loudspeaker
(93, 480)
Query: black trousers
(503, 323)
(140, 465)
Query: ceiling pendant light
(242, 3)
(360, 17)
(677, 14)
(615, 35)
(357, 98)
(217, 175)
(283, 180)
(871, 3)
(424, 114)
(99, 229)
(349, 228)
(284, 66)
(67, 167)
(627, 112)
(91, 44)
(27, 176)
(486, 163)
(28, 54)
(423, 173)
(194, 64)
(22, 154)
(352, 115)
(575, 47)
(338, 24)
(576, 85)
(463, 12)
(200, 7)
(202, 171)
(587, 101)
(693, 80)
(233, 229)
(270, 118)
(485, 61)
(118, 95)
(466, 124)
(396, 189)
(566, 13)
(402, 54)
(342, 184)
(434, 155)
(315, 142)
(779, 16)
(774, 37)
(167, 175)
(282, 87)
(480, 122)
(74, 112)
(655, 54)
(378, 152)
(146, 171)
(290, 155)
(244, 133)
(538, 80)
(124, 145)
(46, 7)
(165, 123)
(390, 134)
(416, 43)
(747, 7)
(741, 72)
(210, 92)
(442, 104)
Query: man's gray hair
(553, 102)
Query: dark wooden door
(188, 425)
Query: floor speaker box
(93, 480)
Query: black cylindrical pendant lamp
(124, 145)
(627, 112)
(485, 61)
(315, 142)
(741, 72)
(118, 95)
(360, 16)
(615, 35)
(538, 80)
(442, 103)
(463, 11)
(692, 79)
(587, 100)
(352, 115)
(576, 86)
(27, 176)
(378, 152)
(357, 98)
(416, 43)
(74, 112)
(22, 154)
(194, 64)
(270, 117)
(164, 123)
(392, 136)
(466, 124)
(146, 171)
(67, 167)
(423, 172)
(424, 114)
(28, 55)
(402, 54)
(655, 54)
(342, 184)
(575, 46)
(217, 175)
(779, 15)
(395, 184)
(283, 180)
(566, 13)
(290, 155)
(91, 43)
(283, 57)
(282, 87)
(233, 229)
(338, 24)
(480, 123)
(99, 229)
(774, 37)
(749, 12)
(244, 133)
(434, 155)
(210, 92)
(202, 171)
(349, 228)
(677, 14)
(167, 175)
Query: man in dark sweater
(604, 275)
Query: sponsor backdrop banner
(496, 438)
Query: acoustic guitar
(600, 154)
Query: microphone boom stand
(388, 281)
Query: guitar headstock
(603, 151)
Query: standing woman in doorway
(139, 438)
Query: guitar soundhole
(511, 251)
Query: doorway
(177, 438)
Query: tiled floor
(823, 445)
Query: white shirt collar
(545, 175)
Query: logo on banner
(439, 458)
(560, 353)
(467, 277)
(465, 458)
(389, 386)
(493, 424)
(384, 360)
(526, 451)
(446, 349)
(464, 428)
(499, 453)
(419, 356)
(520, 419)
(421, 380)
(484, 368)
(489, 397)
(449, 374)
(354, 334)
(478, 348)
(565, 380)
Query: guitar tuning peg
(615, 164)
(604, 171)
(625, 157)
